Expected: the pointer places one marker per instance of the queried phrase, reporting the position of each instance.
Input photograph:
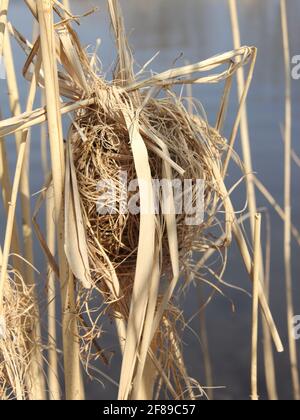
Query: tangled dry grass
(16, 326)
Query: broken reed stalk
(251, 191)
(255, 316)
(269, 363)
(287, 203)
(72, 369)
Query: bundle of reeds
(138, 126)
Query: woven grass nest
(107, 151)
(113, 239)
(142, 128)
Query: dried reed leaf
(75, 235)
(145, 257)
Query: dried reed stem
(243, 248)
(73, 381)
(66, 3)
(268, 196)
(53, 374)
(15, 106)
(3, 21)
(205, 347)
(4, 166)
(202, 314)
(6, 194)
(251, 192)
(244, 127)
(287, 203)
(256, 274)
(269, 363)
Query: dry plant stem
(294, 156)
(147, 261)
(66, 3)
(73, 381)
(202, 315)
(3, 20)
(44, 144)
(6, 188)
(269, 363)
(4, 168)
(53, 374)
(32, 6)
(139, 384)
(243, 248)
(287, 204)
(224, 103)
(263, 301)
(15, 107)
(205, 346)
(144, 298)
(251, 192)
(243, 90)
(4, 171)
(256, 273)
(268, 196)
(245, 137)
(24, 122)
(146, 390)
